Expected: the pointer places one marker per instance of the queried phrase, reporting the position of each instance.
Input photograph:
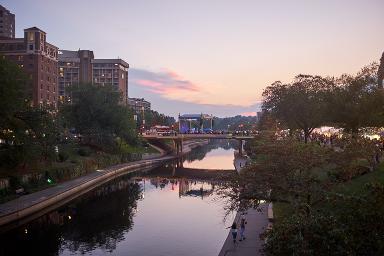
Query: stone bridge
(179, 138)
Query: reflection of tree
(200, 152)
(101, 221)
(97, 220)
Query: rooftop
(34, 28)
(111, 61)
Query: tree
(300, 105)
(356, 101)
(284, 171)
(97, 114)
(380, 73)
(14, 97)
(153, 118)
(348, 225)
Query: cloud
(166, 83)
(171, 94)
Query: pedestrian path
(257, 222)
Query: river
(144, 213)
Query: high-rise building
(74, 67)
(38, 59)
(7, 23)
(111, 71)
(81, 67)
(138, 105)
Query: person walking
(234, 231)
(243, 222)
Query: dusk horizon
(216, 57)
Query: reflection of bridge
(179, 138)
(171, 171)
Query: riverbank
(28, 207)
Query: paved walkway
(252, 245)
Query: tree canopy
(299, 105)
(97, 114)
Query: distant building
(38, 59)
(81, 67)
(139, 104)
(74, 67)
(7, 23)
(111, 71)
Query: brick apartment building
(81, 67)
(112, 71)
(74, 67)
(7, 23)
(38, 59)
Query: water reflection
(97, 220)
(159, 212)
(218, 154)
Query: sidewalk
(256, 225)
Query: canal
(150, 212)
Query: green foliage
(63, 156)
(14, 95)
(299, 105)
(356, 102)
(153, 118)
(233, 123)
(97, 114)
(349, 226)
(84, 151)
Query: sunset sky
(212, 56)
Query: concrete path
(252, 245)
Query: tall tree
(356, 101)
(14, 97)
(299, 105)
(380, 73)
(97, 114)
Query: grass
(356, 185)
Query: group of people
(234, 229)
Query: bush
(84, 151)
(63, 156)
(14, 182)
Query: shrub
(84, 151)
(63, 156)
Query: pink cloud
(166, 83)
(249, 113)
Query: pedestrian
(243, 222)
(234, 231)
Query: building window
(31, 36)
(31, 47)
